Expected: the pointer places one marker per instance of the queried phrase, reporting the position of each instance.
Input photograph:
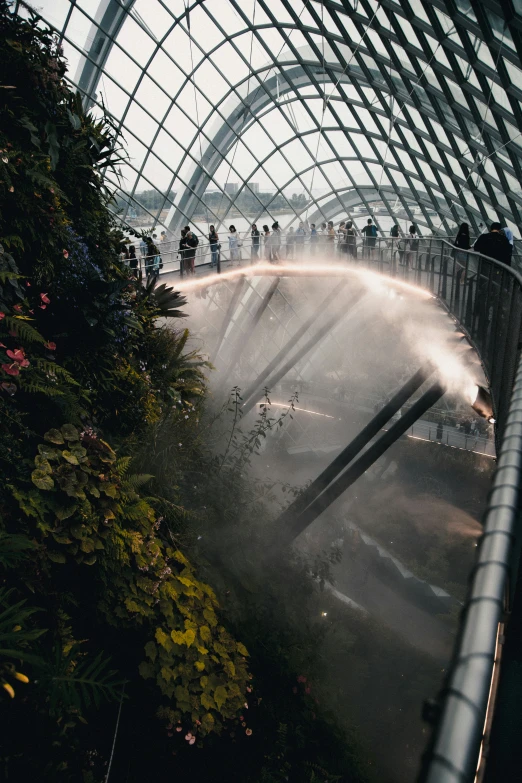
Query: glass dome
(246, 109)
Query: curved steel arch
(415, 63)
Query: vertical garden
(136, 643)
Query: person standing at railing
(413, 245)
(256, 239)
(143, 250)
(181, 251)
(314, 239)
(300, 240)
(341, 237)
(394, 231)
(351, 241)
(462, 242)
(276, 242)
(152, 259)
(133, 261)
(494, 244)
(191, 243)
(267, 243)
(370, 237)
(213, 240)
(234, 245)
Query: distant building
(231, 187)
(254, 187)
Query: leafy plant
(76, 682)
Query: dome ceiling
(398, 105)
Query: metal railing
(386, 252)
(485, 297)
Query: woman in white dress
(234, 245)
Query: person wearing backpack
(370, 238)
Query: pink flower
(11, 369)
(248, 732)
(2, 316)
(17, 308)
(65, 254)
(241, 717)
(190, 738)
(45, 299)
(2, 345)
(52, 347)
(179, 728)
(28, 284)
(170, 734)
(43, 307)
(17, 355)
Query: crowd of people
(274, 245)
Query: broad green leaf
(220, 696)
(71, 459)
(70, 433)
(42, 480)
(242, 650)
(56, 557)
(151, 651)
(54, 436)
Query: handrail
(485, 297)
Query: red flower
(2, 316)
(65, 254)
(45, 299)
(43, 307)
(28, 284)
(11, 369)
(17, 308)
(50, 346)
(17, 355)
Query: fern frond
(122, 466)
(56, 370)
(37, 388)
(137, 480)
(23, 330)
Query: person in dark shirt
(494, 244)
(256, 240)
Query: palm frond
(80, 682)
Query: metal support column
(244, 339)
(358, 443)
(228, 315)
(360, 466)
(258, 384)
(314, 339)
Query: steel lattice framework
(349, 101)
